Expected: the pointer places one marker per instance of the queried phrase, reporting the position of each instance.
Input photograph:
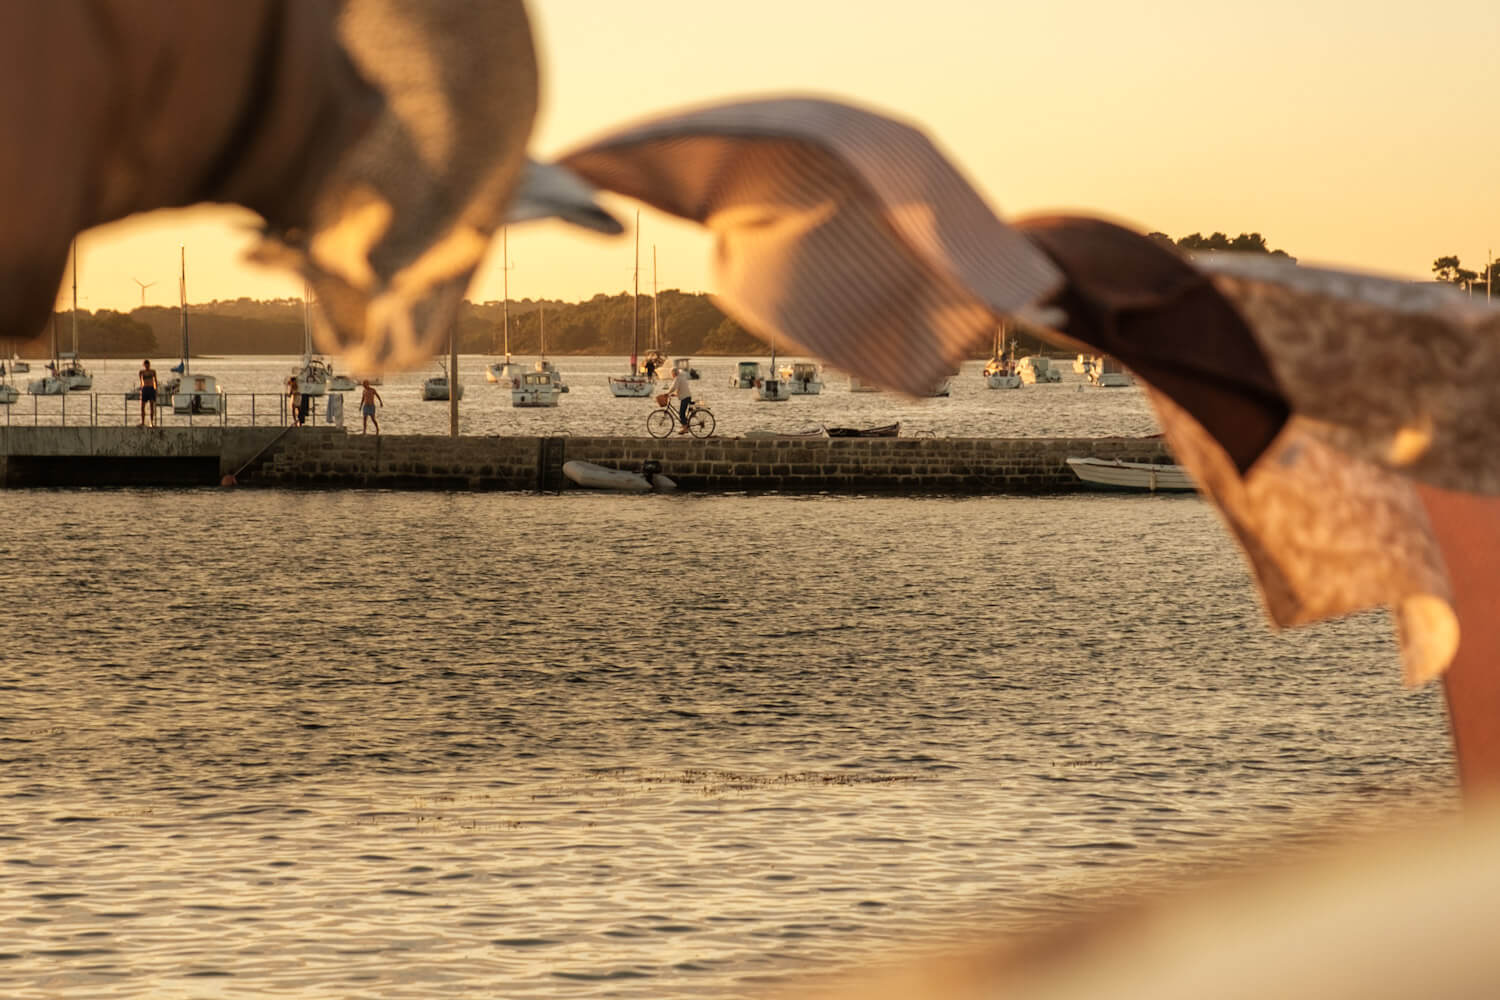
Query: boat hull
(1100, 473)
(631, 386)
(601, 477)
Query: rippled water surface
(326, 745)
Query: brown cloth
(1138, 300)
(118, 106)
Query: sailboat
(772, 388)
(655, 360)
(50, 384)
(543, 365)
(542, 386)
(1000, 372)
(437, 387)
(636, 384)
(505, 372)
(8, 393)
(195, 393)
(313, 374)
(71, 369)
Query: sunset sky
(1362, 134)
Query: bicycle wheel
(659, 423)
(700, 422)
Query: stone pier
(312, 457)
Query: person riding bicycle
(682, 388)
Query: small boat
(17, 366)
(1034, 369)
(197, 394)
(190, 393)
(1107, 373)
(686, 364)
(505, 372)
(313, 374)
(811, 432)
(886, 431)
(48, 385)
(536, 389)
(340, 383)
(636, 383)
(1116, 474)
(72, 372)
(803, 378)
(771, 387)
(436, 388)
(601, 477)
(1000, 372)
(746, 375)
(8, 393)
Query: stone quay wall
(313, 457)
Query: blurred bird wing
(841, 232)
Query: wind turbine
(144, 285)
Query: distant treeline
(690, 324)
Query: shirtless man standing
(367, 403)
(148, 391)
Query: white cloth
(335, 411)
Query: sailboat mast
(655, 326)
(182, 305)
(542, 318)
(75, 301)
(635, 297)
(505, 284)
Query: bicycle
(663, 422)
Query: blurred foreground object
(1402, 917)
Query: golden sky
(1362, 134)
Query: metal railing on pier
(94, 409)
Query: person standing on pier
(367, 407)
(148, 391)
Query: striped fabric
(842, 233)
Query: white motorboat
(340, 383)
(1035, 368)
(191, 392)
(602, 477)
(1107, 373)
(746, 375)
(803, 378)
(636, 383)
(198, 394)
(1117, 474)
(536, 389)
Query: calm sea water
(1070, 408)
(322, 745)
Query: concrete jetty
(332, 457)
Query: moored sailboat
(1000, 372)
(634, 385)
(195, 393)
(505, 372)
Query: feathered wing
(405, 218)
(841, 231)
